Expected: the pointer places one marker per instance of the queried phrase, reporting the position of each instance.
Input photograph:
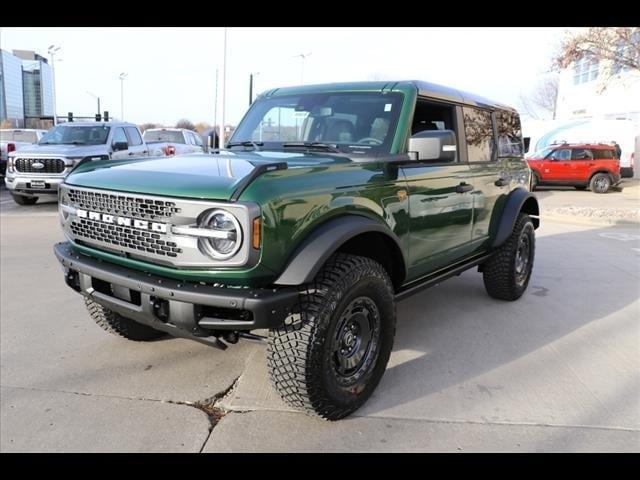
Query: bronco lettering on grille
(123, 221)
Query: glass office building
(26, 93)
(11, 88)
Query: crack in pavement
(209, 406)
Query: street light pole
(302, 56)
(96, 97)
(122, 76)
(224, 75)
(52, 51)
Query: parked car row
(36, 162)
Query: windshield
(349, 122)
(542, 153)
(76, 135)
(18, 136)
(172, 136)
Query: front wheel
(22, 200)
(600, 183)
(506, 274)
(329, 357)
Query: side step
(438, 277)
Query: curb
(579, 220)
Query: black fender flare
(324, 241)
(518, 200)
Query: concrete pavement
(557, 370)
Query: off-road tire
(501, 277)
(600, 183)
(301, 355)
(22, 200)
(116, 324)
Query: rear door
(582, 162)
(137, 147)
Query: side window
(509, 134)
(479, 132)
(198, 140)
(560, 154)
(581, 154)
(434, 116)
(608, 154)
(119, 136)
(134, 136)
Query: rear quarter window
(509, 134)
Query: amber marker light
(257, 232)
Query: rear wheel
(116, 324)
(328, 359)
(506, 274)
(600, 183)
(22, 200)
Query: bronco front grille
(124, 205)
(49, 165)
(118, 236)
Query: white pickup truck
(14, 139)
(173, 141)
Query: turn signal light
(256, 234)
(11, 147)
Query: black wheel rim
(523, 258)
(602, 184)
(356, 341)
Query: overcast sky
(171, 71)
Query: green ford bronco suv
(328, 205)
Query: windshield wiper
(324, 146)
(75, 142)
(246, 143)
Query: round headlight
(230, 234)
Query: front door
(440, 198)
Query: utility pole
(122, 76)
(224, 74)
(52, 51)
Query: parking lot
(557, 370)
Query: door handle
(464, 187)
(132, 153)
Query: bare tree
(542, 100)
(202, 126)
(187, 124)
(615, 47)
(546, 95)
(148, 125)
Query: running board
(431, 280)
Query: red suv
(580, 165)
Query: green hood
(211, 177)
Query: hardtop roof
(426, 89)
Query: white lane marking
(623, 237)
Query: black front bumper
(193, 309)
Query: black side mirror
(433, 145)
(527, 141)
(117, 146)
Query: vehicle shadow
(454, 336)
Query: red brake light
(11, 147)
(169, 150)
